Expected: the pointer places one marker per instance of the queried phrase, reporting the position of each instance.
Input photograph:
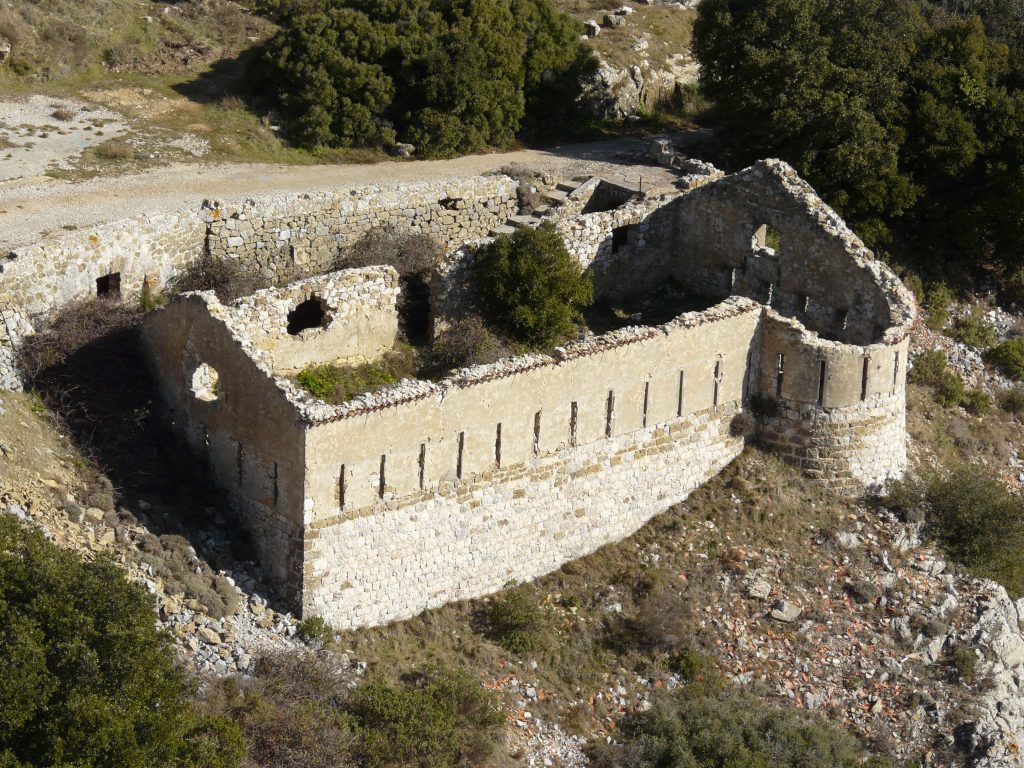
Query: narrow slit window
(717, 382)
(822, 369)
(536, 433)
(609, 413)
(895, 370)
(680, 394)
(240, 463)
(771, 294)
(423, 465)
(732, 278)
(458, 461)
(864, 379)
(647, 400)
(382, 481)
(803, 303)
(276, 488)
(574, 413)
(341, 487)
(497, 447)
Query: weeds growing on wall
(226, 277)
(338, 384)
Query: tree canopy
(88, 680)
(903, 114)
(450, 78)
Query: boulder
(591, 28)
(785, 611)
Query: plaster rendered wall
(290, 237)
(377, 559)
(249, 435)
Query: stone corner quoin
(427, 492)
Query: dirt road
(31, 208)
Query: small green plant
(688, 663)
(977, 402)
(951, 390)
(974, 330)
(915, 285)
(515, 621)
(963, 661)
(150, 299)
(1009, 357)
(316, 631)
(339, 384)
(937, 301)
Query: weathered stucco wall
(590, 446)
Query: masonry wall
(249, 435)
(544, 500)
(295, 236)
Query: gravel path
(32, 207)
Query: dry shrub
(226, 277)
(115, 149)
(410, 253)
(663, 619)
(527, 194)
(63, 114)
(468, 341)
(74, 327)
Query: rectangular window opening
(497, 447)
(864, 379)
(822, 367)
(620, 238)
(680, 394)
(341, 487)
(109, 286)
(780, 373)
(609, 413)
(458, 461)
(574, 413)
(423, 465)
(536, 433)
(381, 481)
(647, 400)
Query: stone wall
(507, 471)
(302, 234)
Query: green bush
(88, 680)
(316, 631)
(515, 621)
(1012, 400)
(937, 301)
(1009, 357)
(444, 719)
(977, 402)
(974, 330)
(979, 524)
(1014, 286)
(531, 288)
(915, 285)
(697, 728)
(930, 370)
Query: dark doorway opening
(414, 311)
(109, 286)
(620, 238)
(308, 314)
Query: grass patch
(338, 384)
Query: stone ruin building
(426, 492)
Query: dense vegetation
(88, 680)
(449, 78)
(531, 288)
(908, 117)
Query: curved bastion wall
(426, 492)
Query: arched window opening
(768, 237)
(309, 314)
